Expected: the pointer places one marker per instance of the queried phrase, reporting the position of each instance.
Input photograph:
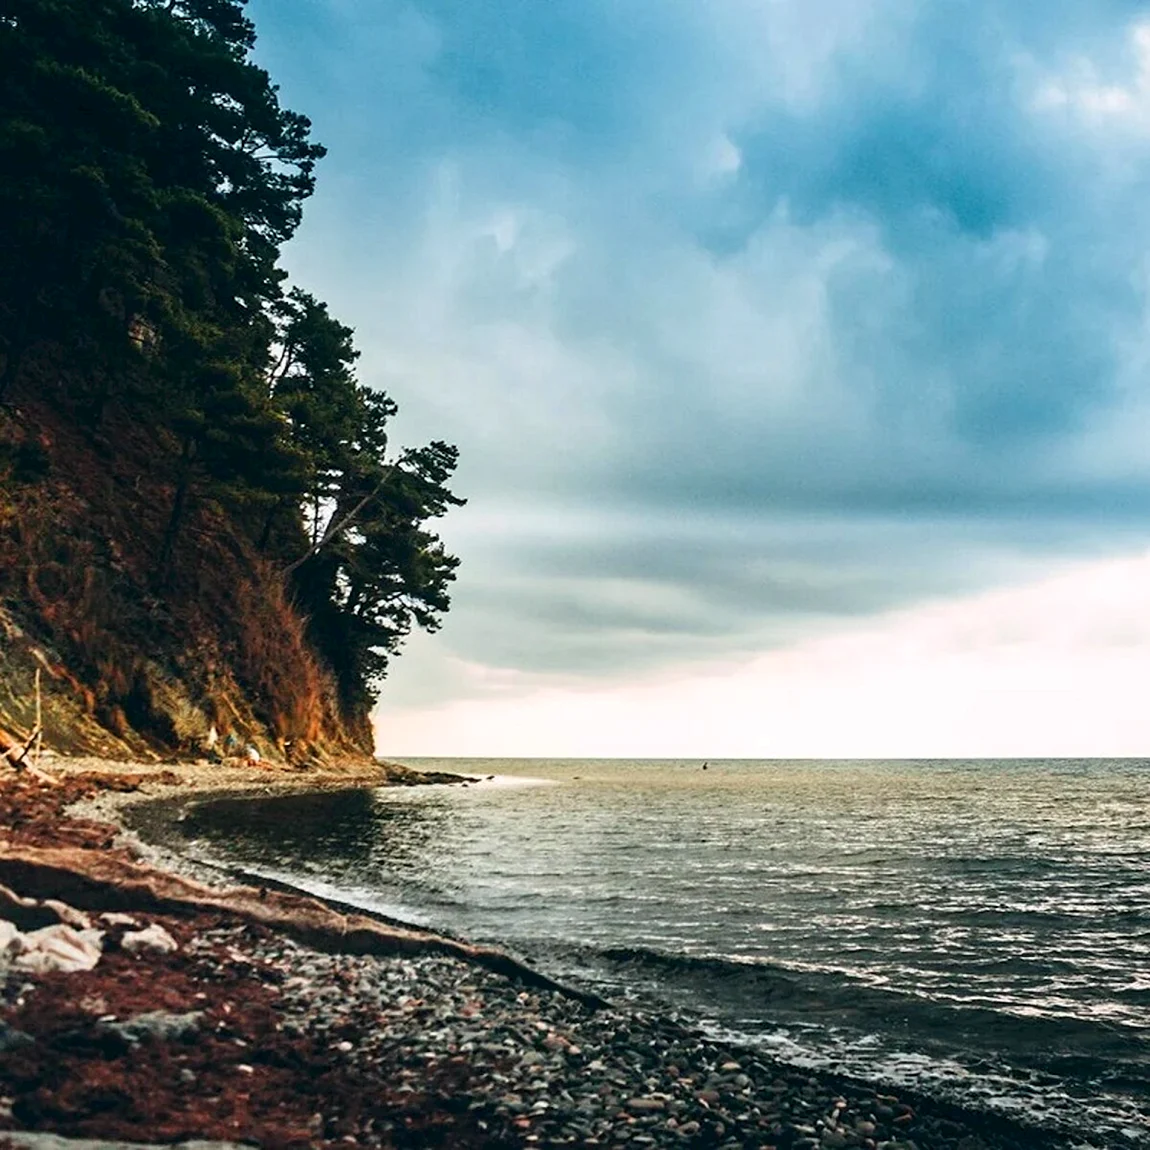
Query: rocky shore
(239, 1033)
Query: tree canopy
(148, 179)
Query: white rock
(116, 918)
(69, 915)
(8, 935)
(57, 948)
(152, 937)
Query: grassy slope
(132, 661)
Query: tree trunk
(179, 505)
(337, 524)
(269, 522)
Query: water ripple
(974, 914)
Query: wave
(739, 989)
(1066, 1074)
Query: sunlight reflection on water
(981, 909)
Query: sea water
(975, 929)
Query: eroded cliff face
(134, 658)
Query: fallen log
(109, 881)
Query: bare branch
(283, 365)
(337, 527)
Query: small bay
(976, 929)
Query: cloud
(750, 319)
(1053, 668)
(559, 600)
(1080, 89)
(904, 263)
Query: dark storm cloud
(868, 279)
(616, 595)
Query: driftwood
(28, 913)
(104, 881)
(19, 760)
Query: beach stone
(646, 1105)
(118, 918)
(56, 948)
(159, 1024)
(9, 933)
(153, 937)
(13, 1039)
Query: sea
(973, 930)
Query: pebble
(153, 937)
(161, 1025)
(646, 1105)
(13, 1039)
(539, 1068)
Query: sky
(796, 352)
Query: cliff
(202, 521)
(133, 661)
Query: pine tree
(148, 180)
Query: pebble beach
(240, 1035)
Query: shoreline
(433, 1044)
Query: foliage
(148, 179)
